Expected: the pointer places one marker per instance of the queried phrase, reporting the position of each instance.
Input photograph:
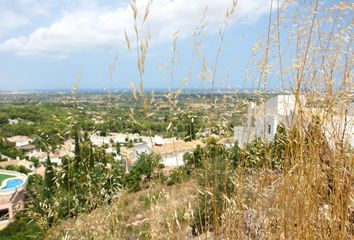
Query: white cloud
(9, 20)
(21, 13)
(104, 27)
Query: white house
(20, 140)
(139, 149)
(263, 120)
(172, 153)
(41, 156)
(131, 155)
(280, 109)
(339, 125)
(55, 158)
(13, 121)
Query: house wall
(22, 143)
(139, 149)
(266, 127)
(339, 127)
(173, 160)
(243, 135)
(269, 115)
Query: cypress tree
(92, 157)
(130, 144)
(235, 154)
(118, 148)
(66, 172)
(86, 136)
(77, 159)
(104, 158)
(190, 134)
(192, 129)
(278, 146)
(49, 180)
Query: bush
(143, 170)
(177, 175)
(21, 229)
(215, 186)
(255, 154)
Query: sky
(47, 44)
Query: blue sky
(45, 44)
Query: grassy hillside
(158, 212)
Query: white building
(263, 120)
(338, 126)
(172, 153)
(20, 140)
(280, 109)
(13, 121)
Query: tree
(3, 118)
(190, 134)
(143, 169)
(86, 136)
(35, 161)
(92, 157)
(193, 136)
(77, 159)
(236, 154)
(49, 178)
(255, 153)
(104, 158)
(194, 159)
(278, 147)
(118, 148)
(130, 144)
(65, 167)
(21, 229)
(215, 180)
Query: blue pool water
(12, 183)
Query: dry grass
(151, 213)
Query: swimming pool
(13, 183)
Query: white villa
(171, 152)
(20, 141)
(263, 120)
(113, 137)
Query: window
(269, 128)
